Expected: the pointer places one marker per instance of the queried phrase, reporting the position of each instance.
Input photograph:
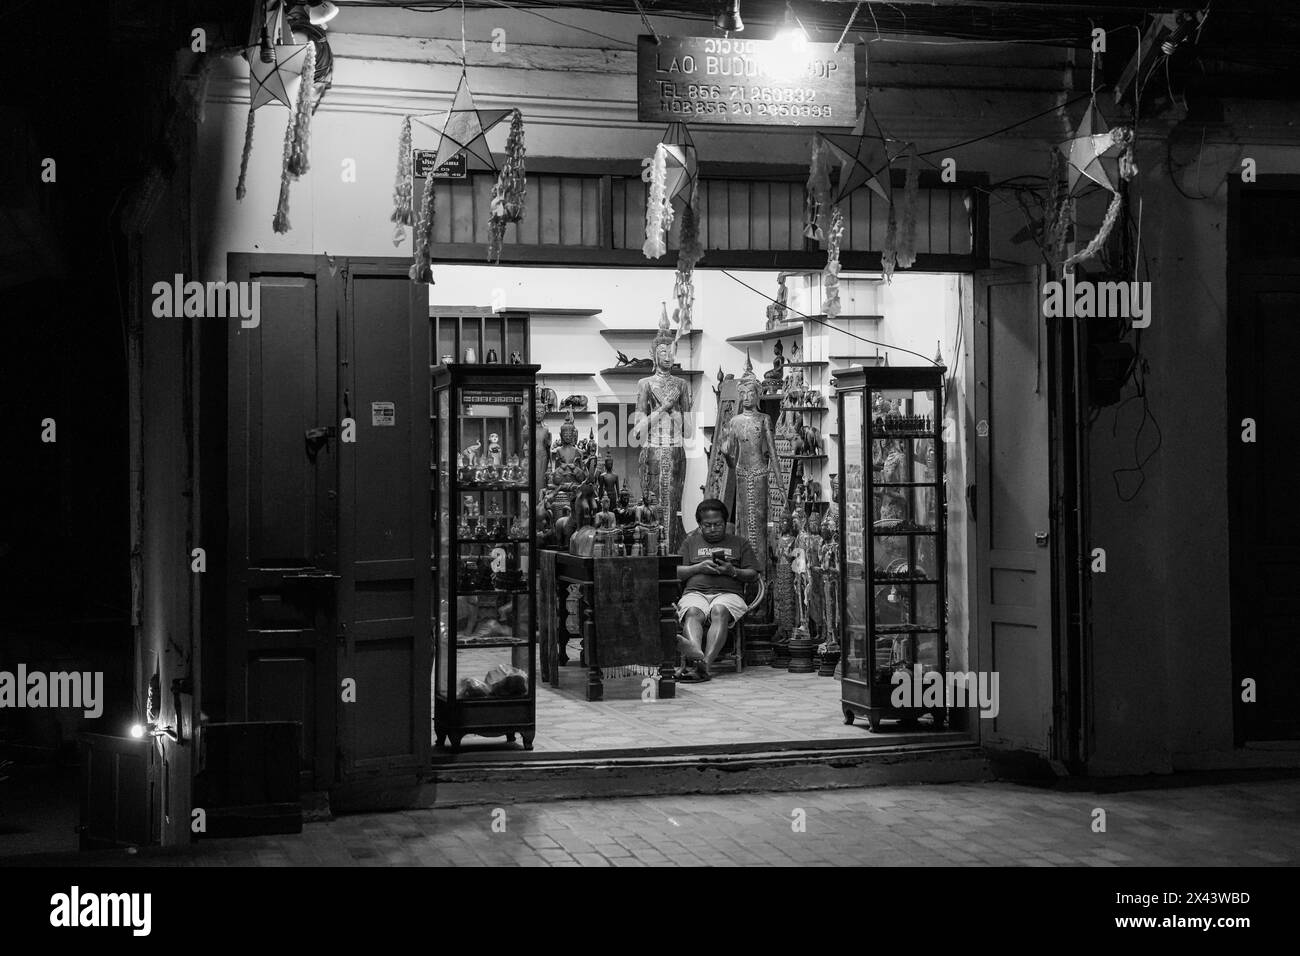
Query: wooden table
(595, 615)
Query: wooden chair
(736, 632)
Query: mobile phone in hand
(719, 556)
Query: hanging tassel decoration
(658, 208)
(689, 252)
(296, 134)
(402, 215)
(240, 189)
(510, 189)
(1103, 233)
(831, 274)
(300, 154)
(889, 256)
(907, 228)
(281, 221)
(422, 267)
(818, 192)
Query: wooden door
(1265, 522)
(1012, 506)
(386, 532)
(282, 526)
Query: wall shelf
(542, 375)
(767, 336)
(643, 333)
(807, 364)
(558, 313)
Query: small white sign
(383, 413)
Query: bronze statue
(774, 377)
(608, 480)
(541, 445)
(664, 403)
(567, 459)
(750, 450)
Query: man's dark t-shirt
(738, 552)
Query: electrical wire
(835, 328)
(561, 23)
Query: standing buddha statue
(750, 450)
(664, 403)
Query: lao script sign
(708, 80)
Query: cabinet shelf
(624, 371)
(460, 541)
(805, 408)
(889, 533)
(523, 590)
(884, 435)
(490, 486)
(469, 643)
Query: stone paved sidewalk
(966, 824)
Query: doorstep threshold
(889, 763)
(796, 751)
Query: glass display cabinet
(892, 525)
(484, 547)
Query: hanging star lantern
(863, 157)
(277, 81)
(464, 128)
(682, 165)
(1096, 153)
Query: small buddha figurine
(775, 376)
(494, 450)
(624, 514)
(605, 519)
(608, 480)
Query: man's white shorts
(704, 603)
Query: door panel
(1265, 518)
(282, 500)
(385, 530)
(1013, 489)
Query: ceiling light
(792, 32)
(728, 18)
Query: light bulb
(137, 730)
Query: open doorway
(590, 330)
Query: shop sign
(711, 80)
(383, 413)
(489, 404)
(453, 168)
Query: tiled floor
(982, 824)
(760, 705)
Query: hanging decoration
(682, 163)
(275, 69)
(289, 62)
(297, 141)
(658, 208)
(402, 214)
(509, 190)
(464, 129)
(863, 157)
(905, 250)
(1098, 154)
(831, 274)
(817, 194)
(689, 252)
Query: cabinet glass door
(493, 547)
(853, 536)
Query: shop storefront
(414, 559)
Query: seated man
(716, 566)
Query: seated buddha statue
(567, 460)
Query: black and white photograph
(650, 433)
